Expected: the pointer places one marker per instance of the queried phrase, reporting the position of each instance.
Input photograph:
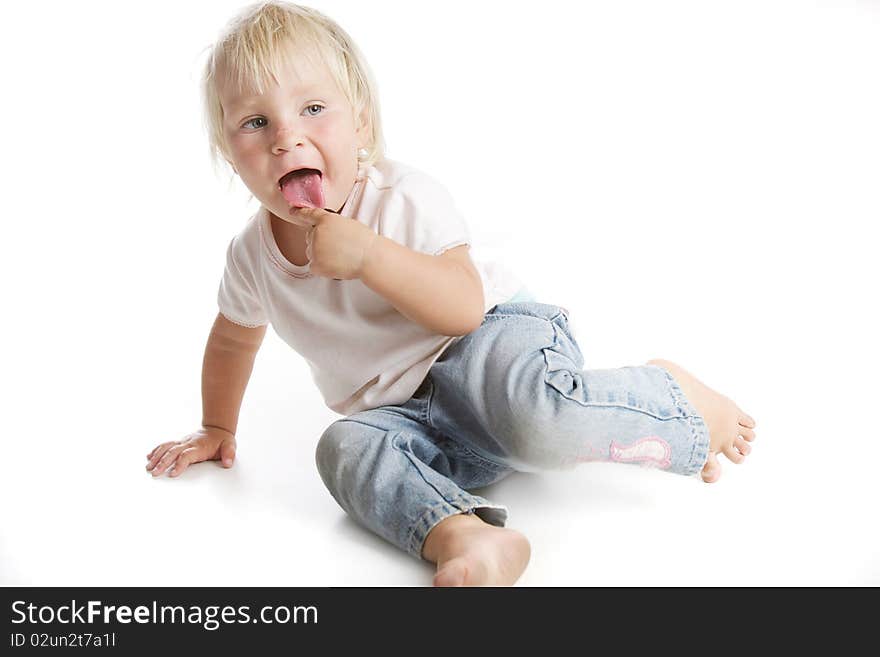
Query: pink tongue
(303, 190)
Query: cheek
(247, 160)
(244, 144)
(338, 133)
(240, 148)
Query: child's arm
(442, 293)
(226, 369)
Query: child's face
(301, 122)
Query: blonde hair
(264, 36)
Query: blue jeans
(509, 396)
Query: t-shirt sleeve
(237, 297)
(420, 213)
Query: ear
(362, 128)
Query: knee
(532, 444)
(536, 452)
(330, 452)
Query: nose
(286, 138)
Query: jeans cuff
(492, 514)
(699, 431)
(700, 451)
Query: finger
(161, 448)
(164, 461)
(157, 453)
(298, 217)
(187, 456)
(167, 460)
(153, 451)
(746, 433)
(227, 453)
(296, 221)
(305, 217)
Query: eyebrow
(243, 102)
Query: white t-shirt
(362, 352)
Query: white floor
(78, 509)
(704, 184)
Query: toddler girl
(448, 374)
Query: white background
(695, 181)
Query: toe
(746, 420)
(746, 433)
(712, 469)
(733, 454)
(744, 448)
(453, 573)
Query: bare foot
(730, 429)
(470, 552)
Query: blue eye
(249, 121)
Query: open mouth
(287, 177)
(302, 188)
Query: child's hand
(336, 246)
(206, 444)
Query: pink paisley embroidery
(650, 450)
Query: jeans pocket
(634, 388)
